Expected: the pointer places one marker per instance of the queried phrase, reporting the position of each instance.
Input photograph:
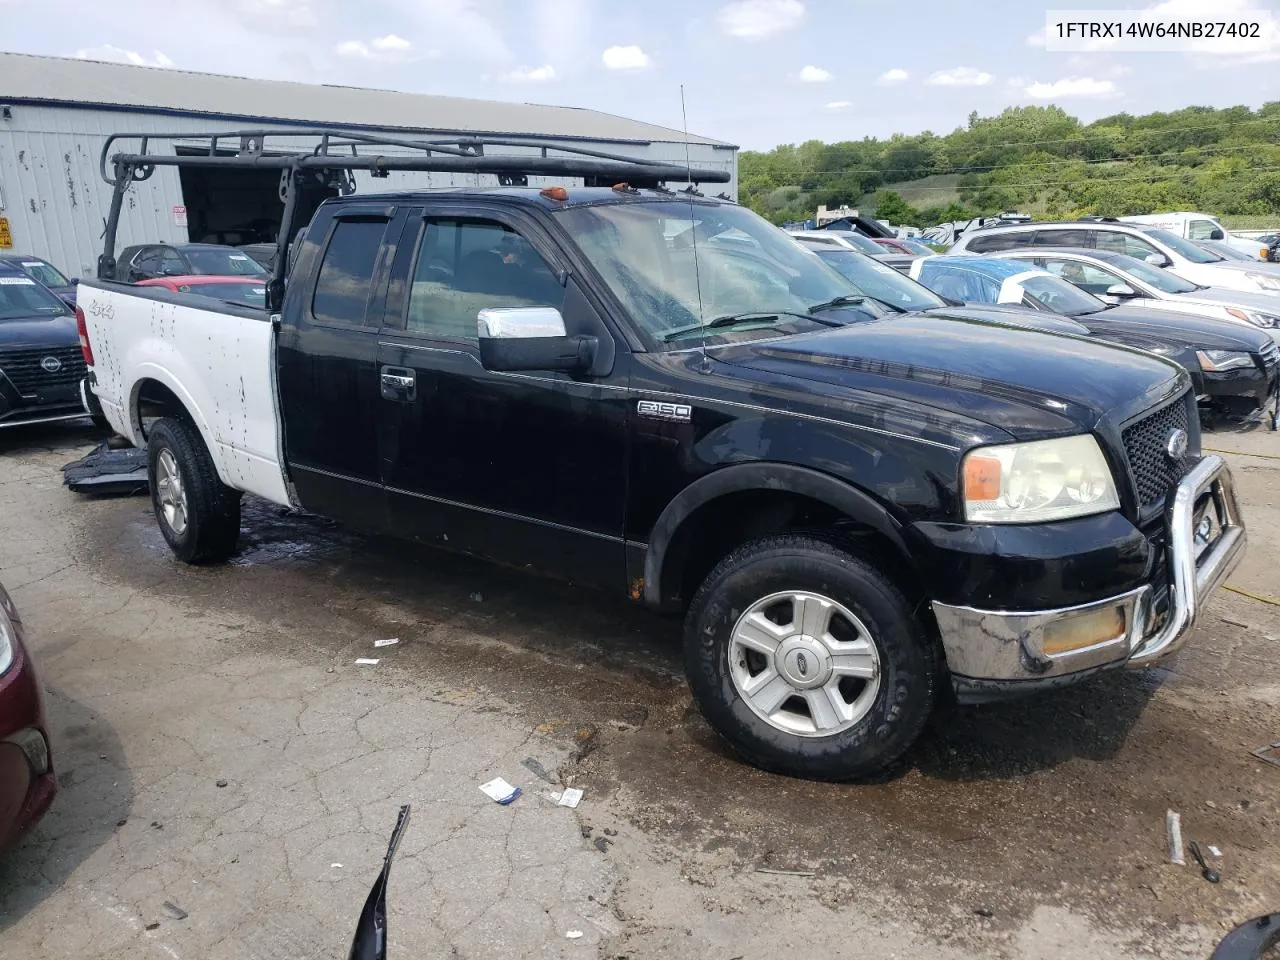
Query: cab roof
(534, 196)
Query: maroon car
(27, 781)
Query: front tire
(809, 662)
(198, 514)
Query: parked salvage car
(251, 291)
(27, 780)
(41, 365)
(912, 248)
(1157, 247)
(146, 261)
(1227, 252)
(850, 515)
(883, 291)
(1116, 278)
(855, 241)
(42, 271)
(1235, 369)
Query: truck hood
(1025, 382)
(56, 330)
(1014, 316)
(1135, 324)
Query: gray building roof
(92, 83)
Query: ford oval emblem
(802, 665)
(1176, 446)
(50, 364)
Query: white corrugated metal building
(55, 115)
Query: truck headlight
(1037, 482)
(1265, 280)
(1220, 361)
(1265, 320)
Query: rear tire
(198, 514)
(809, 662)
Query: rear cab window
(345, 279)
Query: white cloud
(529, 74)
(960, 77)
(278, 16)
(390, 48)
(890, 77)
(625, 58)
(1071, 87)
(459, 26)
(114, 54)
(835, 106)
(561, 33)
(811, 74)
(757, 19)
(1036, 39)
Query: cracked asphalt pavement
(220, 749)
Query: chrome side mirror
(1121, 290)
(531, 338)
(1158, 260)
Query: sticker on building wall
(6, 238)
(179, 215)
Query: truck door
(528, 468)
(327, 364)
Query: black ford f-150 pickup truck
(657, 393)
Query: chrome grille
(23, 367)
(1146, 448)
(1271, 355)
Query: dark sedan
(149, 260)
(41, 364)
(27, 780)
(1235, 368)
(42, 271)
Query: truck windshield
(224, 263)
(1184, 248)
(22, 298)
(744, 266)
(875, 279)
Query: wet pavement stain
(1056, 800)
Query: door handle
(399, 384)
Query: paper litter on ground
(574, 934)
(571, 797)
(386, 643)
(499, 790)
(366, 661)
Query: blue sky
(756, 72)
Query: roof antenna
(693, 233)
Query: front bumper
(998, 653)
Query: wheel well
(718, 527)
(152, 399)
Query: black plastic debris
(1250, 941)
(107, 472)
(370, 941)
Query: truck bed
(217, 358)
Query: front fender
(838, 494)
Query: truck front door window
(465, 266)
(346, 273)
